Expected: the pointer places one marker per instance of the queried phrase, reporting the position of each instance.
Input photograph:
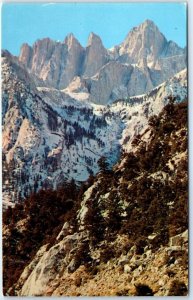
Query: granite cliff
(144, 60)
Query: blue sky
(111, 21)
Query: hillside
(123, 232)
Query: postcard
(94, 149)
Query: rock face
(25, 56)
(96, 56)
(146, 41)
(54, 62)
(74, 61)
(111, 77)
(145, 51)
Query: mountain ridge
(144, 46)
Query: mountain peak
(25, 54)
(96, 55)
(149, 25)
(44, 41)
(71, 40)
(144, 27)
(148, 22)
(25, 46)
(93, 39)
(144, 41)
(69, 37)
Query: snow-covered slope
(135, 111)
(50, 136)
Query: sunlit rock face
(145, 49)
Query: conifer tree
(103, 164)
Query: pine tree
(103, 164)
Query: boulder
(179, 240)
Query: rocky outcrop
(126, 275)
(77, 85)
(48, 264)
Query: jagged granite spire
(96, 55)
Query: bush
(143, 290)
(178, 288)
(107, 254)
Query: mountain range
(144, 60)
(65, 106)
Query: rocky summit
(95, 184)
(144, 54)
